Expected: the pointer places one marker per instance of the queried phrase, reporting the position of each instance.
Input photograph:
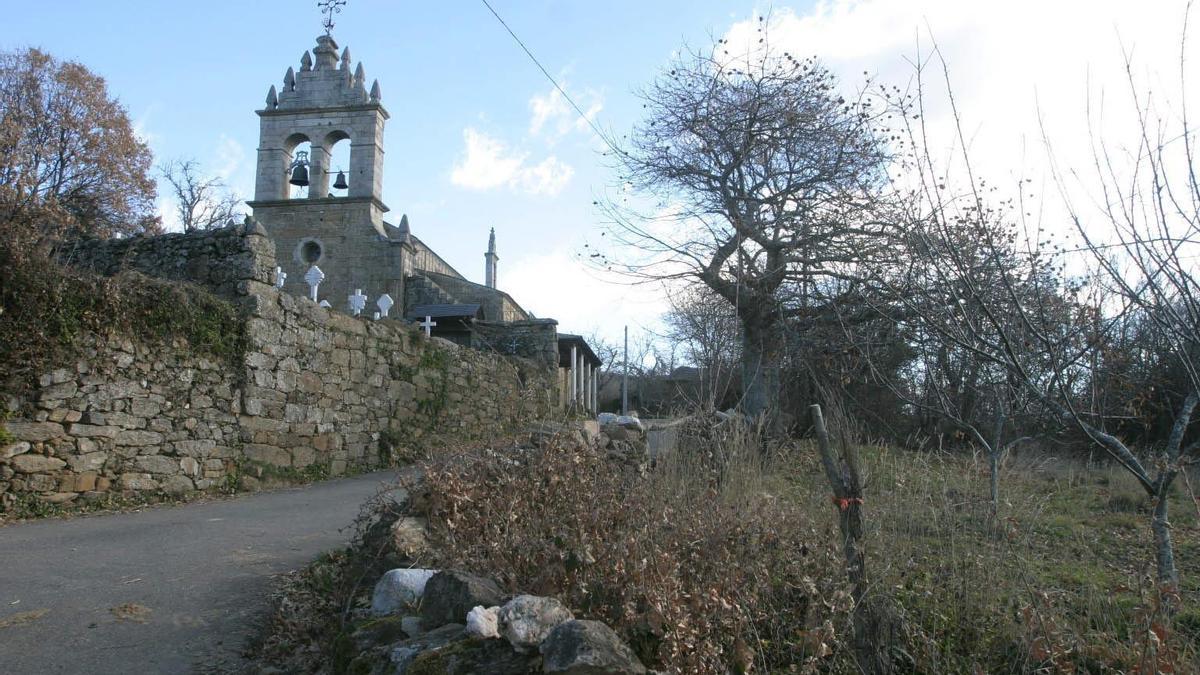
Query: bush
(698, 566)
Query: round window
(310, 252)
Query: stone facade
(316, 391)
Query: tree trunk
(762, 356)
(1168, 575)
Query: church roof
(443, 311)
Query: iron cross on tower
(329, 8)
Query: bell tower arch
(324, 103)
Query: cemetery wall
(315, 392)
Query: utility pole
(625, 377)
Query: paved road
(203, 571)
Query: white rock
(527, 619)
(397, 589)
(484, 622)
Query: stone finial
(289, 80)
(325, 53)
(360, 75)
(345, 65)
(375, 92)
(305, 62)
(272, 98)
(403, 226)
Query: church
(332, 241)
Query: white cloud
(553, 117)
(229, 157)
(581, 299)
(488, 163)
(1013, 67)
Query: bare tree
(1038, 325)
(201, 203)
(70, 162)
(706, 328)
(759, 177)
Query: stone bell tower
(322, 104)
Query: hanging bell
(299, 176)
(340, 183)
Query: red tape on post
(844, 503)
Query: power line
(550, 77)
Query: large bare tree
(754, 176)
(201, 202)
(70, 162)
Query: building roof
(568, 340)
(443, 311)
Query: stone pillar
(318, 165)
(574, 381)
(579, 384)
(595, 395)
(587, 386)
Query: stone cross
(325, 304)
(313, 277)
(376, 316)
(384, 303)
(428, 325)
(280, 277)
(357, 302)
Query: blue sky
(476, 139)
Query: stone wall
(316, 392)
(226, 261)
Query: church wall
(353, 255)
(497, 305)
(314, 393)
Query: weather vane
(329, 8)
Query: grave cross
(428, 325)
(314, 276)
(357, 302)
(384, 303)
(280, 277)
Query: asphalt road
(189, 582)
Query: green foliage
(48, 308)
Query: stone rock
(587, 647)
(408, 536)
(403, 653)
(136, 437)
(94, 430)
(58, 497)
(177, 485)
(156, 464)
(92, 461)
(527, 619)
(34, 432)
(30, 463)
(473, 656)
(484, 622)
(399, 588)
(138, 481)
(451, 594)
(267, 454)
(14, 449)
(411, 625)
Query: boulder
(527, 619)
(401, 654)
(587, 647)
(399, 588)
(409, 538)
(451, 594)
(484, 622)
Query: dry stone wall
(315, 392)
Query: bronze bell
(340, 183)
(299, 175)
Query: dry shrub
(697, 565)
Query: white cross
(280, 277)
(357, 302)
(428, 325)
(314, 276)
(384, 303)
(325, 304)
